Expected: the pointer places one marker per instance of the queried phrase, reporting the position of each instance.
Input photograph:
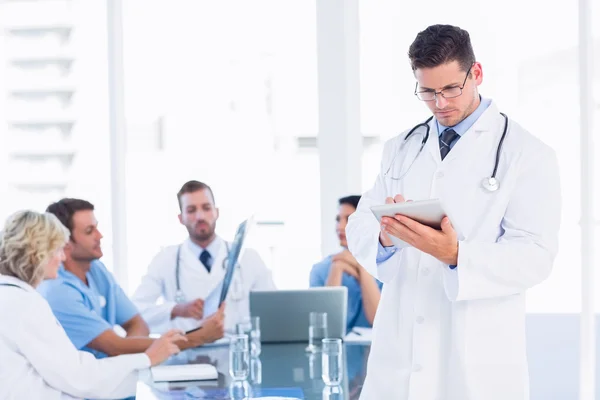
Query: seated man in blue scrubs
(342, 269)
(89, 303)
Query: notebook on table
(187, 372)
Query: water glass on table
(239, 357)
(255, 370)
(251, 327)
(331, 358)
(333, 393)
(317, 330)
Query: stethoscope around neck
(180, 297)
(490, 184)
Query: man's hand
(212, 329)
(441, 245)
(193, 309)
(384, 239)
(214, 326)
(166, 346)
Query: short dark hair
(191, 187)
(350, 200)
(64, 210)
(441, 44)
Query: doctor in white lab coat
(168, 298)
(37, 359)
(451, 320)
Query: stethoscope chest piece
(490, 184)
(179, 297)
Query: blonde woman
(37, 359)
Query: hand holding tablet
(426, 212)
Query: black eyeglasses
(448, 93)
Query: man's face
(199, 214)
(450, 112)
(85, 237)
(344, 212)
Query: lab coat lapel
(433, 145)
(204, 282)
(195, 279)
(9, 280)
(217, 271)
(472, 138)
(471, 159)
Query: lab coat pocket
(495, 346)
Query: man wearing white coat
(451, 320)
(201, 258)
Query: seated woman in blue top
(342, 269)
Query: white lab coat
(443, 334)
(38, 361)
(197, 283)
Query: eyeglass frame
(442, 91)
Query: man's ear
(180, 218)
(477, 73)
(217, 210)
(68, 247)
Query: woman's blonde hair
(28, 241)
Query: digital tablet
(427, 212)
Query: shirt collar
(71, 277)
(463, 126)
(212, 248)
(11, 280)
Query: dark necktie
(446, 139)
(206, 259)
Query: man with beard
(87, 300)
(200, 258)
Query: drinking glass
(317, 330)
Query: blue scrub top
(356, 313)
(87, 311)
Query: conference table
(281, 370)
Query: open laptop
(284, 313)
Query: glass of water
(238, 390)
(251, 327)
(331, 357)
(317, 330)
(333, 393)
(239, 357)
(255, 371)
